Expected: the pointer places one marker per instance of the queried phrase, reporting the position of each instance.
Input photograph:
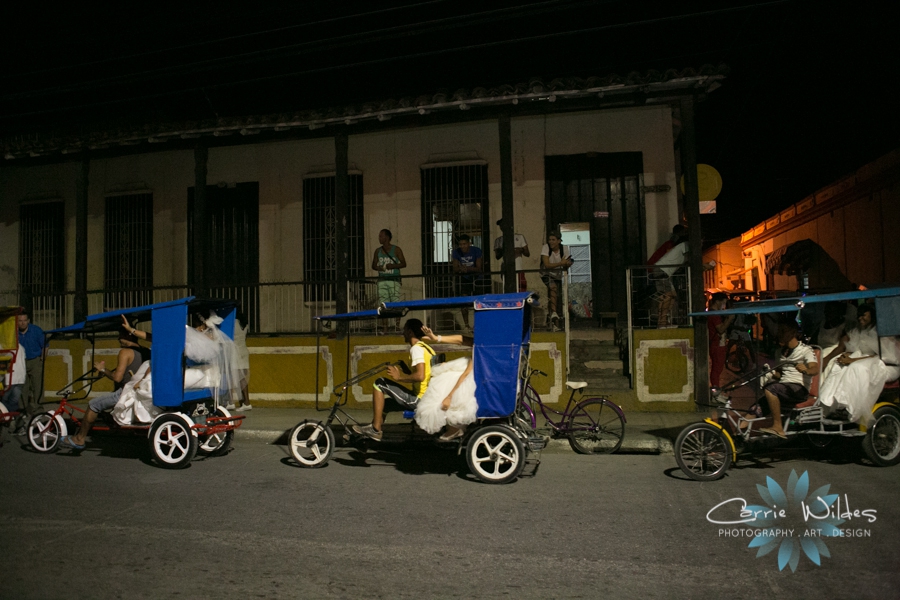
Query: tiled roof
(653, 84)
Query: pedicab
(187, 415)
(704, 451)
(9, 350)
(498, 445)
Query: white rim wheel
(495, 455)
(172, 442)
(309, 453)
(217, 443)
(43, 432)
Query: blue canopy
(884, 297)
(484, 302)
(111, 321)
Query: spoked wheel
(882, 441)
(311, 443)
(172, 443)
(216, 444)
(495, 454)
(596, 427)
(703, 452)
(44, 433)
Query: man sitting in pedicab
(788, 385)
(389, 395)
(128, 362)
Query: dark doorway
(231, 232)
(603, 190)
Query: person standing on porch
(31, 337)
(555, 260)
(521, 248)
(387, 261)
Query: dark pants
(396, 397)
(33, 393)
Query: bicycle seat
(576, 385)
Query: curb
(634, 443)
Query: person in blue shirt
(31, 337)
(467, 261)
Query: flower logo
(785, 514)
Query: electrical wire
(319, 45)
(425, 54)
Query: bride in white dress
(861, 368)
(450, 398)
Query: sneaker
(368, 431)
(230, 406)
(245, 408)
(20, 431)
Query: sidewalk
(645, 433)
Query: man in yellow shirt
(389, 395)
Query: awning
(808, 257)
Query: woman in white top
(861, 368)
(241, 327)
(555, 260)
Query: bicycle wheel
(882, 441)
(218, 443)
(702, 452)
(596, 427)
(307, 452)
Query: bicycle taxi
(498, 445)
(704, 451)
(9, 350)
(187, 415)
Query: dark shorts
(789, 394)
(396, 397)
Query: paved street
(107, 524)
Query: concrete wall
(390, 162)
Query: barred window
(319, 244)
(230, 235)
(129, 242)
(42, 243)
(454, 202)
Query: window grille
(129, 250)
(42, 242)
(454, 202)
(319, 244)
(231, 244)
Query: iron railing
(271, 307)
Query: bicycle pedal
(537, 443)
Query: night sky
(807, 100)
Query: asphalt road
(414, 524)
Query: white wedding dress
(857, 386)
(463, 406)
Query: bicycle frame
(565, 415)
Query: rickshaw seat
(576, 385)
(199, 394)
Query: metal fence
(658, 298)
(272, 307)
